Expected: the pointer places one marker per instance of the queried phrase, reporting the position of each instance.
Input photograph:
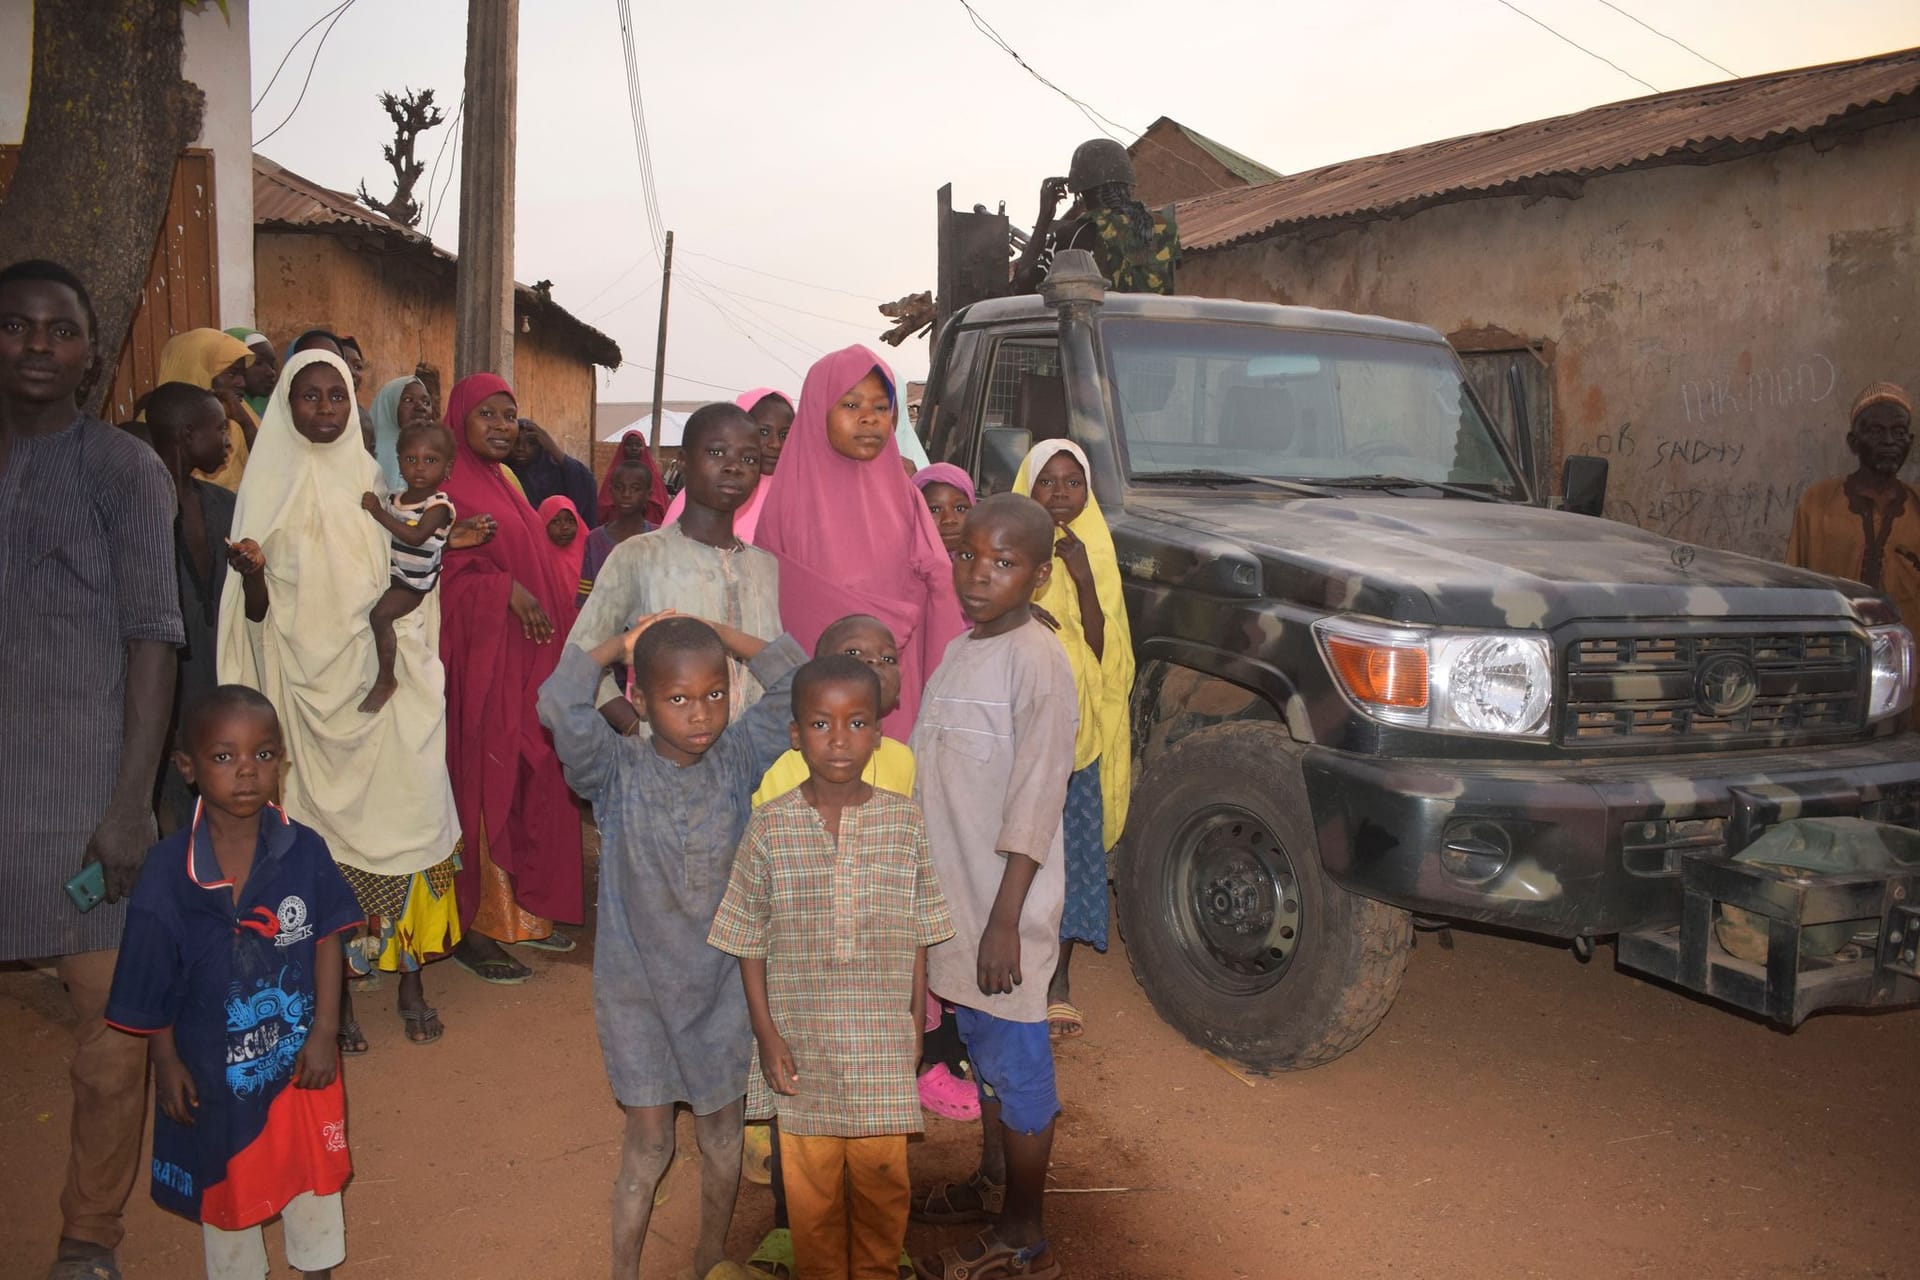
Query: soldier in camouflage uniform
(1137, 248)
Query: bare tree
(412, 115)
(107, 115)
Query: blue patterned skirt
(1085, 917)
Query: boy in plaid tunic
(830, 908)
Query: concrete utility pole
(483, 295)
(660, 345)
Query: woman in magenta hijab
(772, 412)
(504, 610)
(852, 533)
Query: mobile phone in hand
(89, 888)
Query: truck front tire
(1240, 939)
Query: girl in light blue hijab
(399, 403)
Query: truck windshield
(1199, 396)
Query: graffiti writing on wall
(1800, 382)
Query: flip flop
(936, 1203)
(996, 1261)
(1064, 1021)
(501, 973)
(556, 942)
(774, 1257)
(756, 1154)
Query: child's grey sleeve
(764, 726)
(584, 741)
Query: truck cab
(1380, 682)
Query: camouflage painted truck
(1380, 684)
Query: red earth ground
(1517, 1114)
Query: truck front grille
(1713, 687)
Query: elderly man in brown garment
(1866, 526)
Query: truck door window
(1025, 402)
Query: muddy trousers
(109, 1107)
(847, 1201)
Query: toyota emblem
(1725, 685)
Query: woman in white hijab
(375, 786)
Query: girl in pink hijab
(772, 412)
(851, 532)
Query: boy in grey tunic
(671, 807)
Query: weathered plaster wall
(1710, 324)
(402, 313)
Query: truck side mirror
(1583, 485)
(1001, 451)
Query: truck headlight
(1482, 682)
(1890, 692)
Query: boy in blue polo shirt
(231, 968)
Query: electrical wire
(737, 327)
(1094, 116)
(737, 296)
(1576, 44)
(302, 39)
(433, 174)
(1671, 40)
(806, 349)
(805, 284)
(642, 144)
(339, 13)
(650, 286)
(698, 382)
(440, 202)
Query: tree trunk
(107, 116)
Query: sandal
(501, 973)
(756, 1154)
(556, 942)
(1064, 1022)
(416, 1022)
(351, 1039)
(948, 1095)
(995, 1261)
(936, 1203)
(81, 1260)
(774, 1257)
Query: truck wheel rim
(1234, 900)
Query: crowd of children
(824, 881)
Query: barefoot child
(1083, 595)
(230, 966)
(831, 907)
(670, 807)
(994, 746)
(418, 518)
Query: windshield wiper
(1388, 484)
(1207, 475)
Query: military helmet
(1097, 163)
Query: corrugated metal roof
(1688, 126)
(282, 199)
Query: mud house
(1694, 284)
(322, 260)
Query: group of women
(447, 808)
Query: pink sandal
(947, 1095)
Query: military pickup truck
(1381, 684)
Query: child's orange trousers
(847, 1202)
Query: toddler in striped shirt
(419, 519)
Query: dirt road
(1517, 1115)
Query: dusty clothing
(993, 747)
(200, 615)
(1840, 530)
(86, 565)
(669, 1008)
(665, 569)
(109, 1106)
(847, 1201)
(838, 923)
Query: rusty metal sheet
(1693, 125)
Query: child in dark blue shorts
(994, 746)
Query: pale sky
(806, 140)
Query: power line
(338, 14)
(805, 284)
(440, 201)
(642, 144)
(698, 382)
(805, 349)
(275, 78)
(1094, 117)
(1671, 40)
(648, 288)
(433, 174)
(816, 315)
(735, 325)
(1576, 44)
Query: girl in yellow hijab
(1083, 595)
(216, 362)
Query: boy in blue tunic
(671, 807)
(231, 968)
